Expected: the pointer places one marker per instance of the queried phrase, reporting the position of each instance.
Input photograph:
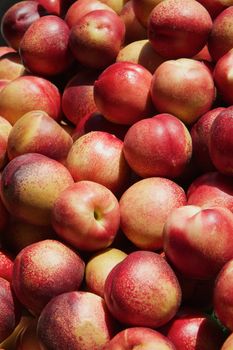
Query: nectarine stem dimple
(97, 215)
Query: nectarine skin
(119, 80)
(144, 208)
(99, 266)
(30, 184)
(139, 337)
(37, 132)
(78, 98)
(28, 93)
(220, 40)
(200, 133)
(98, 156)
(178, 31)
(223, 301)
(198, 241)
(44, 48)
(17, 19)
(10, 314)
(188, 93)
(142, 290)
(81, 7)
(75, 320)
(44, 270)
(194, 330)
(96, 39)
(6, 265)
(223, 77)
(152, 146)
(86, 215)
(221, 143)
(211, 189)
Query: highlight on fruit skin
(116, 192)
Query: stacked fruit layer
(116, 159)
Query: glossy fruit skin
(152, 148)
(198, 241)
(119, 80)
(194, 330)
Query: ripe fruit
(142, 290)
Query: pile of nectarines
(116, 175)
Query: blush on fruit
(223, 300)
(75, 320)
(86, 215)
(44, 48)
(30, 185)
(82, 7)
(194, 330)
(98, 156)
(17, 19)
(223, 77)
(178, 31)
(142, 290)
(6, 265)
(211, 189)
(10, 310)
(37, 132)
(96, 39)
(188, 93)
(221, 143)
(28, 93)
(200, 133)
(221, 40)
(198, 241)
(139, 338)
(158, 146)
(39, 269)
(119, 80)
(144, 208)
(78, 98)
